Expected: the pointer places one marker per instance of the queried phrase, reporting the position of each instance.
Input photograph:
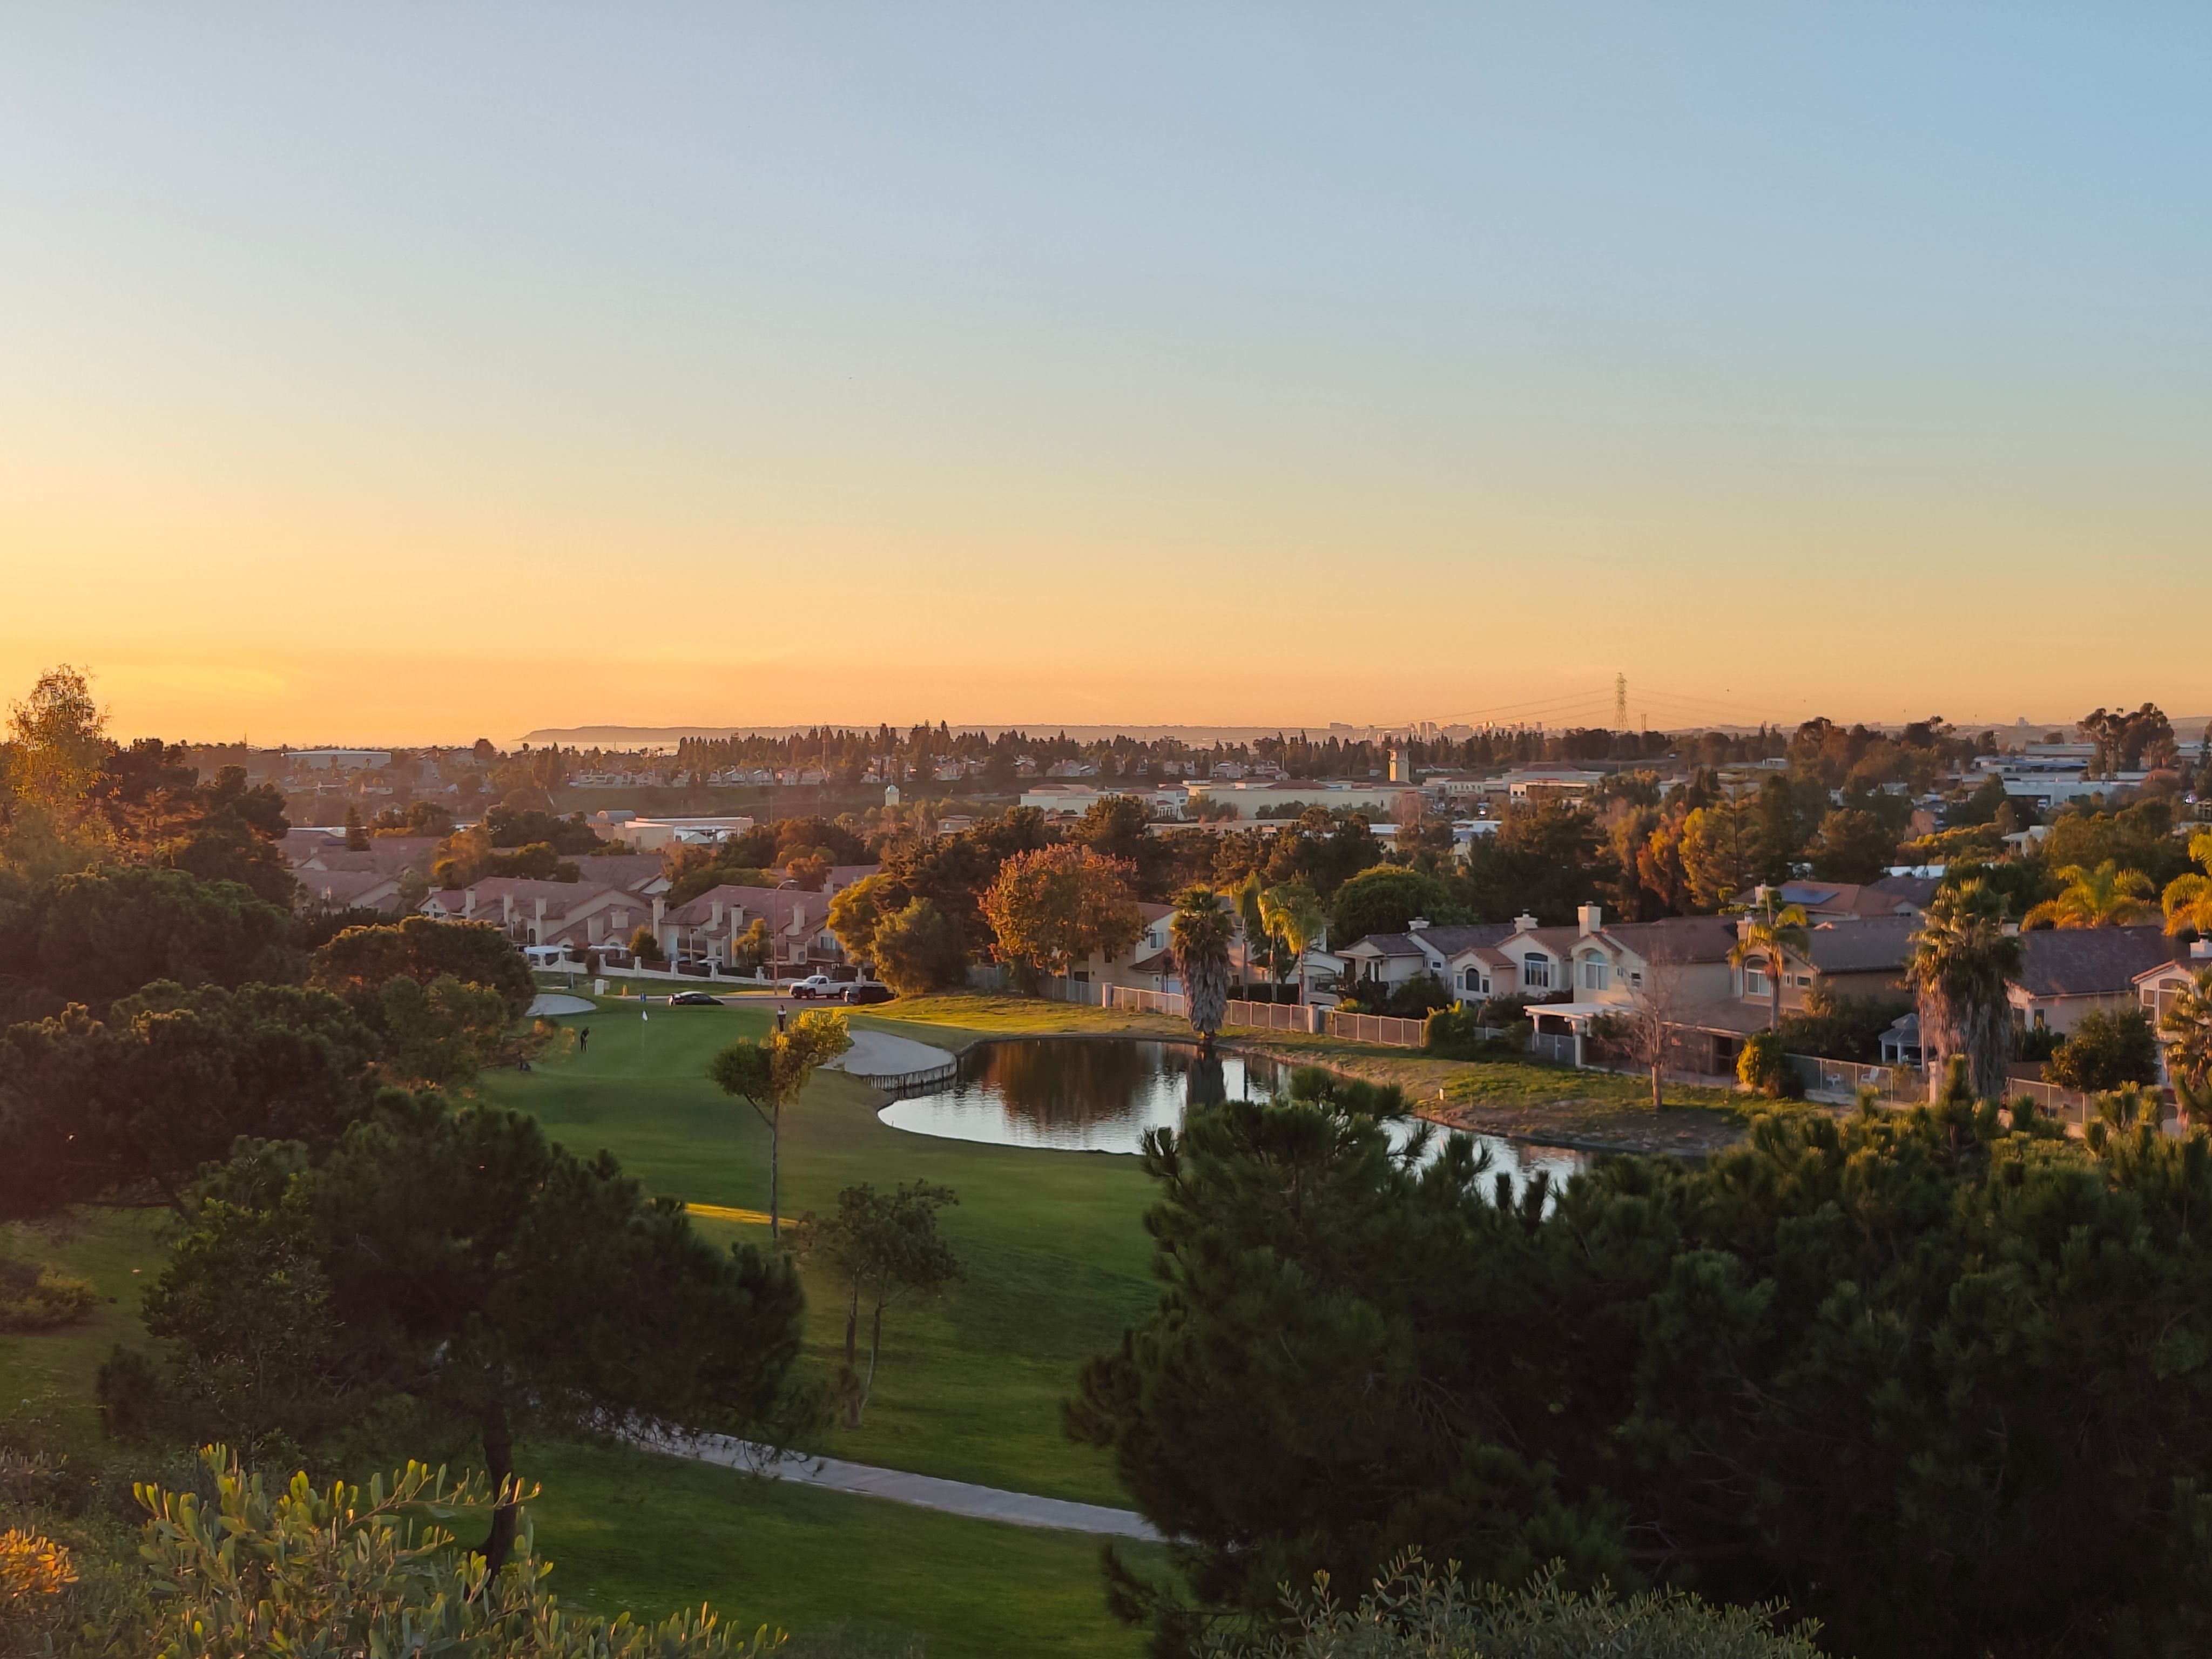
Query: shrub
(1842, 1028)
(643, 946)
(1415, 1614)
(2105, 1051)
(1764, 1067)
(1453, 1033)
(34, 1298)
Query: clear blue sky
(360, 366)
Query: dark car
(868, 994)
(694, 999)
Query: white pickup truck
(818, 985)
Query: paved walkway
(925, 1490)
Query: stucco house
(2067, 972)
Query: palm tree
(1293, 917)
(2106, 896)
(1962, 959)
(1245, 895)
(2188, 899)
(1199, 934)
(2187, 1029)
(1767, 934)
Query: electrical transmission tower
(1620, 702)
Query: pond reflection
(1102, 1095)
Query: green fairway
(628, 1529)
(1057, 1260)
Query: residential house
(347, 889)
(2067, 972)
(1149, 964)
(2156, 987)
(707, 928)
(1581, 972)
(1832, 901)
(633, 872)
(575, 913)
(1847, 958)
(388, 856)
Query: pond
(1101, 1094)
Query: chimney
(468, 902)
(1524, 923)
(659, 911)
(799, 917)
(1592, 917)
(714, 916)
(1417, 924)
(2200, 949)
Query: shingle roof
(2076, 961)
(1680, 938)
(631, 871)
(1843, 898)
(1916, 891)
(1449, 941)
(1862, 947)
(774, 905)
(1389, 945)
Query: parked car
(868, 991)
(817, 985)
(694, 999)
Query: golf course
(1055, 1262)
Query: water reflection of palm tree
(1209, 1081)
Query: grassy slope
(50, 1373)
(1056, 1257)
(626, 1529)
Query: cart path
(927, 1492)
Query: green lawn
(628, 1529)
(1056, 1256)
(50, 1373)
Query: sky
(413, 373)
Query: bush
(1417, 999)
(1452, 1034)
(1764, 1068)
(2105, 1051)
(1842, 1028)
(34, 1298)
(644, 946)
(1415, 1614)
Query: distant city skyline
(390, 375)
